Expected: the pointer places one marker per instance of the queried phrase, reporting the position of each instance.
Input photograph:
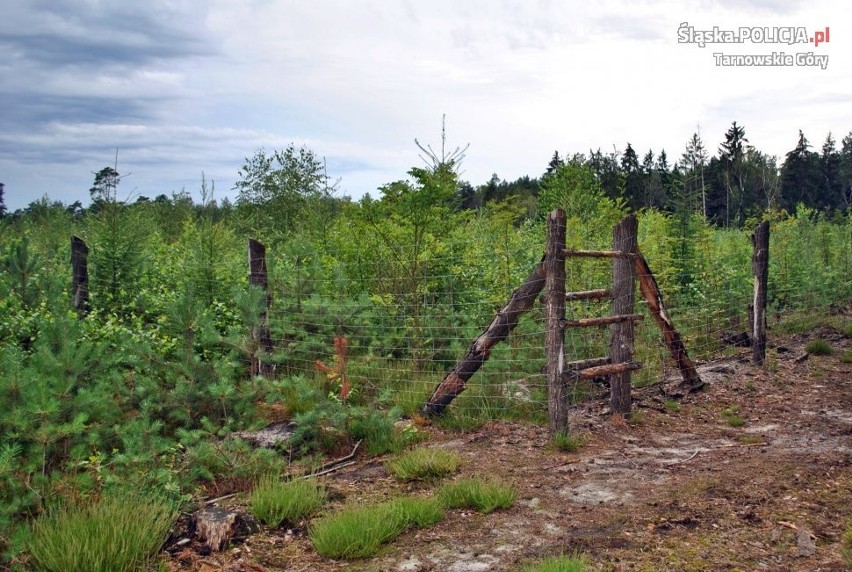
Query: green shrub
(360, 531)
(113, 534)
(482, 495)
(423, 463)
(558, 564)
(274, 501)
(819, 348)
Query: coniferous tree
(800, 175)
(845, 171)
(831, 195)
(632, 178)
(693, 162)
(554, 164)
(732, 155)
(608, 172)
(2, 200)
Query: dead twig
(333, 465)
(217, 499)
(327, 471)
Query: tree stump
(216, 527)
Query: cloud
(184, 86)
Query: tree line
(738, 183)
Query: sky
(177, 88)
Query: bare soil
(680, 487)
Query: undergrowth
(274, 501)
(360, 531)
(483, 495)
(120, 532)
(422, 464)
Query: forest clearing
(457, 388)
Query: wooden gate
(628, 265)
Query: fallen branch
(213, 501)
(335, 462)
(327, 471)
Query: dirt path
(680, 488)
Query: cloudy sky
(182, 87)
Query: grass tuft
(671, 405)
(819, 348)
(114, 534)
(274, 501)
(558, 564)
(482, 495)
(360, 531)
(423, 464)
(732, 416)
(567, 443)
(846, 544)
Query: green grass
(114, 534)
(846, 544)
(732, 417)
(558, 564)
(274, 501)
(379, 432)
(567, 443)
(819, 348)
(423, 464)
(482, 495)
(671, 405)
(846, 357)
(360, 531)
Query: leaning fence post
(760, 268)
(258, 276)
(623, 282)
(79, 276)
(557, 390)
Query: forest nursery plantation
(139, 394)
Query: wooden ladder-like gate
(549, 275)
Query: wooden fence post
(554, 261)
(258, 276)
(760, 268)
(623, 284)
(79, 276)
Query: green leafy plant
(423, 463)
(480, 494)
(360, 531)
(274, 501)
(120, 532)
